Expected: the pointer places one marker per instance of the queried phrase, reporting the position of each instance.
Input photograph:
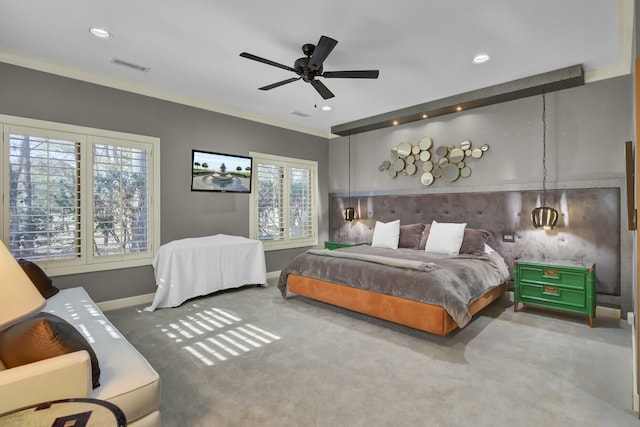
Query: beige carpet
(248, 358)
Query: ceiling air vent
(130, 65)
(300, 113)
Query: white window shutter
(119, 200)
(283, 206)
(78, 199)
(44, 186)
(270, 203)
(300, 203)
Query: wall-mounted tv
(219, 172)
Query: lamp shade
(19, 298)
(349, 214)
(544, 217)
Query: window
(283, 204)
(77, 199)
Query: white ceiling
(423, 49)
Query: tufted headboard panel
(588, 228)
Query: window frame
(86, 137)
(288, 163)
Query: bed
(405, 284)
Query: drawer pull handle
(550, 289)
(551, 273)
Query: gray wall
(587, 127)
(38, 95)
(586, 130)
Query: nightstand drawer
(564, 297)
(566, 285)
(553, 276)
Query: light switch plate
(509, 236)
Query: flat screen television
(226, 173)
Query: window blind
(270, 202)
(44, 197)
(119, 200)
(300, 203)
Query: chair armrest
(59, 377)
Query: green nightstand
(565, 285)
(336, 245)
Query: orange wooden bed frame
(418, 315)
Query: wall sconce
(544, 216)
(350, 212)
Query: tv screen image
(220, 172)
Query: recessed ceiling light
(458, 108)
(326, 108)
(481, 58)
(425, 115)
(395, 122)
(100, 33)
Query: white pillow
(386, 235)
(445, 238)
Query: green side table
(565, 285)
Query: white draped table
(188, 268)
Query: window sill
(61, 270)
(275, 246)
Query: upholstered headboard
(588, 228)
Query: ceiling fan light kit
(310, 67)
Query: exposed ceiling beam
(534, 85)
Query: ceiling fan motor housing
(301, 67)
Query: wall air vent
(130, 65)
(300, 113)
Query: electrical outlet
(509, 236)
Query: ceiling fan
(310, 67)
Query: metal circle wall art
(449, 163)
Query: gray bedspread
(454, 284)
(385, 260)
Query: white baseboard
(125, 302)
(273, 275)
(608, 312)
(148, 298)
(631, 320)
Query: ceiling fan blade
(320, 53)
(324, 92)
(266, 61)
(284, 82)
(361, 74)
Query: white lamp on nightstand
(19, 298)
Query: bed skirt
(417, 315)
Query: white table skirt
(188, 268)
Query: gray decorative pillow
(474, 240)
(425, 236)
(410, 236)
(41, 337)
